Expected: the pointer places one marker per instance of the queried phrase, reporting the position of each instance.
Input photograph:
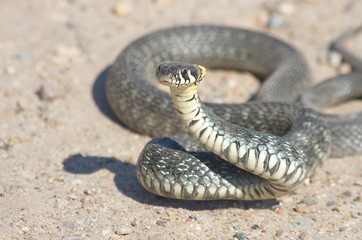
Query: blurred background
(67, 171)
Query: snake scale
(256, 150)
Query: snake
(260, 149)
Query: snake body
(274, 145)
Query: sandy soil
(67, 168)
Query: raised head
(178, 74)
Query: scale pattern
(179, 167)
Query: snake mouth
(167, 83)
(164, 80)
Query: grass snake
(261, 149)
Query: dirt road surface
(67, 169)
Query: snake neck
(201, 122)
(245, 148)
(190, 109)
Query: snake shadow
(99, 95)
(100, 99)
(126, 182)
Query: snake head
(178, 74)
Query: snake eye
(184, 72)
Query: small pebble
(286, 7)
(301, 208)
(331, 203)
(134, 222)
(280, 211)
(10, 69)
(15, 187)
(160, 211)
(358, 183)
(69, 224)
(310, 201)
(336, 209)
(193, 217)
(123, 231)
(123, 8)
(347, 194)
(5, 146)
(106, 232)
(262, 19)
(170, 213)
(275, 20)
(21, 105)
(59, 179)
(303, 236)
(49, 91)
(91, 200)
(163, 222)
(25, 229)
(344, 68)
(93, 220)
(279, 233)
(301, 223)
(255, 226)
(89, 191)
(22, 55)
(65, 54)
(197, 227)
(73, 197)
(241, 236)
(334, 58)
(43, 74)
(51, 121)
(310, 180)
(287, 201)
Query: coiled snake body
(270, 147)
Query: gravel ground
(67, 168)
